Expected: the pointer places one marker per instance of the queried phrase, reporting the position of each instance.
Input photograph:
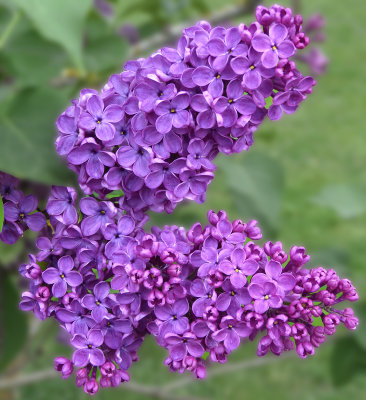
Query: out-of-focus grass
(323, 143)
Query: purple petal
(97, 357)
(261, 42)
(278, 33)
(269, 59)
(256, 291)
(51, 275)
(105, 131)
(195, 348)
(36, 221)
(286, 49)
(80, 357)
(95, 106)
(74, 278)
(202, 76)
(59, 288)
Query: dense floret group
(155, 128)
(200, 293)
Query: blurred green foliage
(304, 180)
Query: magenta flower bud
(298, 20)
(252, 230)
(64, 366)
(238, 226)
(68, 298)
(304, 349)
(169, 256)
(174, 270)
(108, 369)
(285, 69)
(215, 279)
(190, 363)
(298, 331)
(152, 278)
(200, 371)
(82, 376)
(301, 40)
(263, 346)
(317, 336)
(155, 298)
(105, 382)
(91, 387)
(136, 276)
(264, 16)
(195, 234)
(43, 293)
(211, 314)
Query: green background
(304, 180)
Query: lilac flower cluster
(20, 211)
(152, 133)
(200, 293)
(155, 128)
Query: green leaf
(10, 252)
(347, 360)
(1, 214)
(28, 134)
(105, 53)
(32, 60)
(258, 184)
(360, 312)
(346, 200)
(59, 21)
(13, 322)
(115, 193)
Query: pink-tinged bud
(108, 369)
(200, 372)
(264, 16)
(43, 293)
(252, 230)
(64, 366)
(301, 40)
(298, 20)
(215, 279)
(68, 298)
(195, 234)
(82, 376)
(174, 270)
(91, 387)
(169, 256)
(304, 349)
(238, 226)
(211, 314)
(155, 298)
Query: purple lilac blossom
(190, 103)
(200, 291)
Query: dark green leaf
(346, 200)
(13, 322)
(59, 21)
(258, 185)
(360, 312)
(33, 60)
(28, 134)
(105, 53)
(347, 360)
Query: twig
(153, 391)
(9, 28)
(22, 380)
(223, 369)
(173, 32)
